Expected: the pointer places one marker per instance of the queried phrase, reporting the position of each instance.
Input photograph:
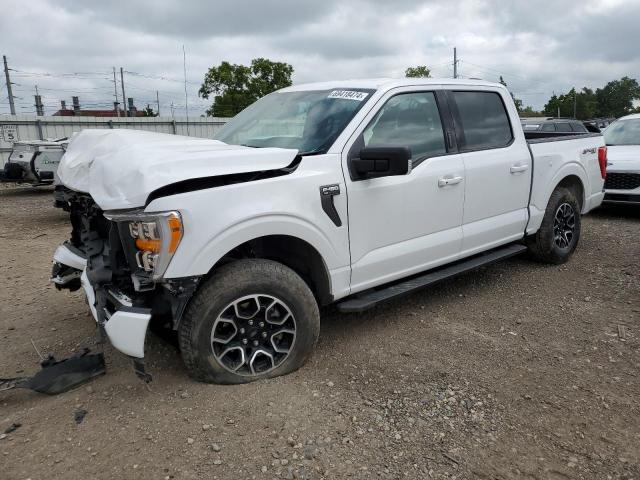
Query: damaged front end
(119, 259)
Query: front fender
(201, 260)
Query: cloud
(538, 47)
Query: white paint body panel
(120, 168)
(127, 332)
(218, 220)
(65, 256)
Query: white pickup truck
(351, 192)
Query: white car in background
(623, 154)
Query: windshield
(308, 121)
(623, 132)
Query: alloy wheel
(253, 335)
(564, 226)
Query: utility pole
(38, 105)
(158, 102)
(12, 105)
(115, 93)
(455, 62)
(124, 98)
(186, 102)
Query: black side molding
(327, 192)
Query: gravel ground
(518, 370)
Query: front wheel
(559, 233)
(252, 319)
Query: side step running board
(370, 298)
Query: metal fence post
(39, 128)
(173, 124)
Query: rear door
(497, 168)
(405, 224)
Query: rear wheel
(559, 233)
(252, 319)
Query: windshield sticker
(348, 95)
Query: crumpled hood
(623, 157)
(120, 168)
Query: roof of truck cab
(388, 83)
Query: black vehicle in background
(540, 127)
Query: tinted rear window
(563, 127)
(548, 127)
(578, 127)
(485, 121)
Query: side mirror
(375, 162)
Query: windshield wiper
(311, 152)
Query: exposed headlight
(156, 237)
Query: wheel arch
(297, 254)
(574, 183)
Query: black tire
(553, 243)
(279, 293)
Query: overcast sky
(68, 47)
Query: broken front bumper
(124, 324)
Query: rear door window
(484, 120)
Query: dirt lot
(516, 371)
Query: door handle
(519, 168)
(445, 181)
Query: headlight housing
(156, 237)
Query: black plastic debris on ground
(60, 376)
(12, 428)
(79, 415)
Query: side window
(578, 127)
(485, 122)
(563, 127)
(408, 120)
(549, 127)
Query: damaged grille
(99, 240)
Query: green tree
(421, 71)
(616, 98)
(235, 87)
(583, 104)
(148, 112)
(528, 111)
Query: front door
(404, 224)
